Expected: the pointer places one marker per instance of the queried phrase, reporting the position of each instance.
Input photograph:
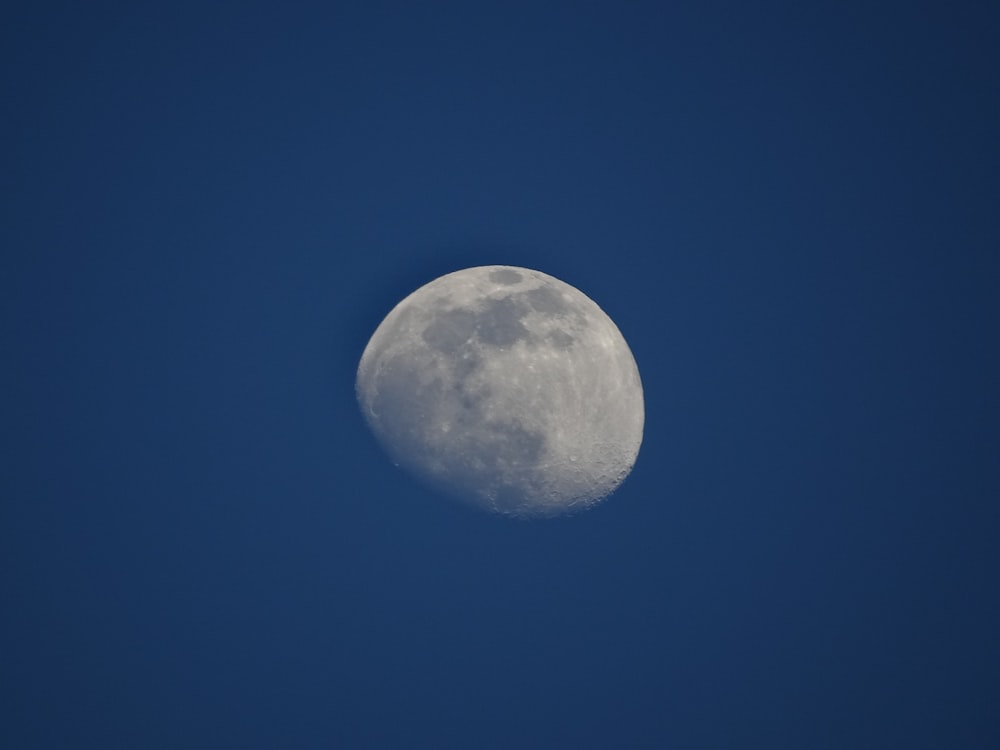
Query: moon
(505, 388)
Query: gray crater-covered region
(497, 323)
(498, 386)
(494, 322)
(494, 446)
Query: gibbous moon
(507, 389)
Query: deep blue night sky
(789, 209)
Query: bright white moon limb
(506, 388)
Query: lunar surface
(505, 388)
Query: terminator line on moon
(505, 388)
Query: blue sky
(790, 211)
